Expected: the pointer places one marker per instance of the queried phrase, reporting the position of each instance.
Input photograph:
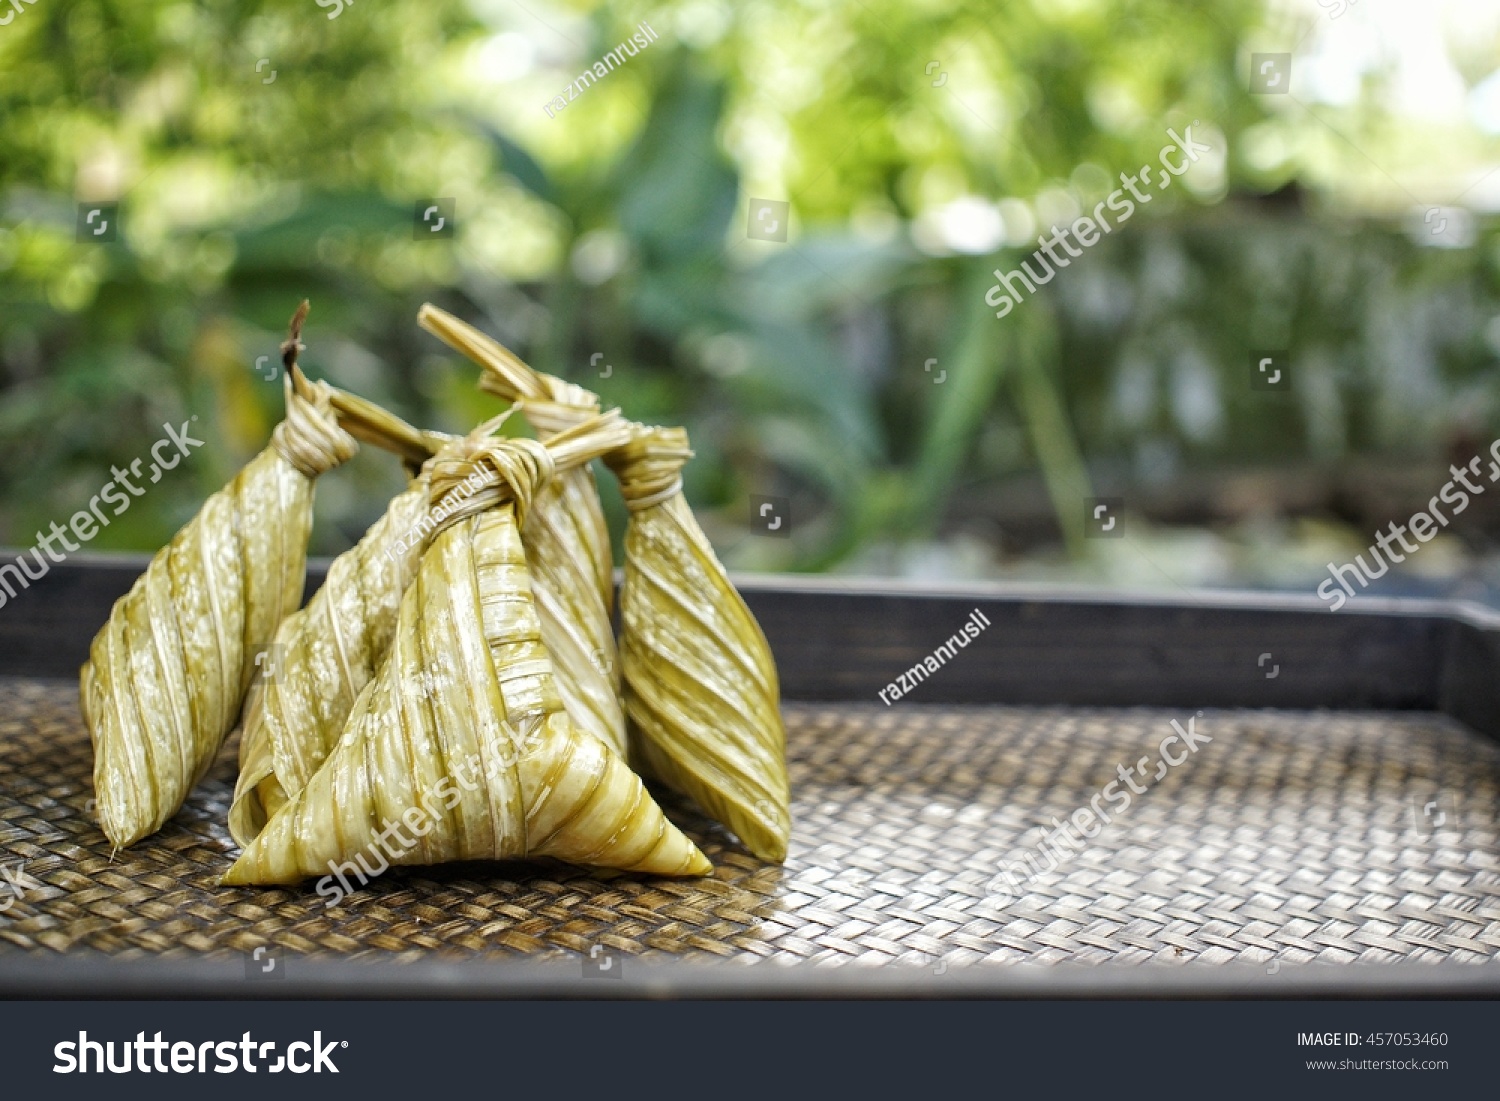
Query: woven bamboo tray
(1345, 811)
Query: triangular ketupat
(567, 540)
(700, 684)
(167, 675)
(326, 653)
(322, 657)
(462, 737)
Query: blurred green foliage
(262, 152)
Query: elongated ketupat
(326, 653)
(700, 685)
(462, 739)
(567, 541)
(167, 675)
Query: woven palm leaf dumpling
(325, 653)
(567, 540)
(700, 684)
(328, 652)
(168, 672)
(481, 760)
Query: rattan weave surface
(1299, 836)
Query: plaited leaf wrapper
(700, 684)
(324, 654)
(567, 540)
(329, 651)
(463, 737)
(167, 675)
(323, 657)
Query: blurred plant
(261, 152)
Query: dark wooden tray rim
(844, 640)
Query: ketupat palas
(700, 685)
(326, 653)
(166, 676)
(567, 541)
(483, 762)
(321, 657)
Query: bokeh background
(261, 152)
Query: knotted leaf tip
(309, 436)
(649, 466)
(483, 474)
